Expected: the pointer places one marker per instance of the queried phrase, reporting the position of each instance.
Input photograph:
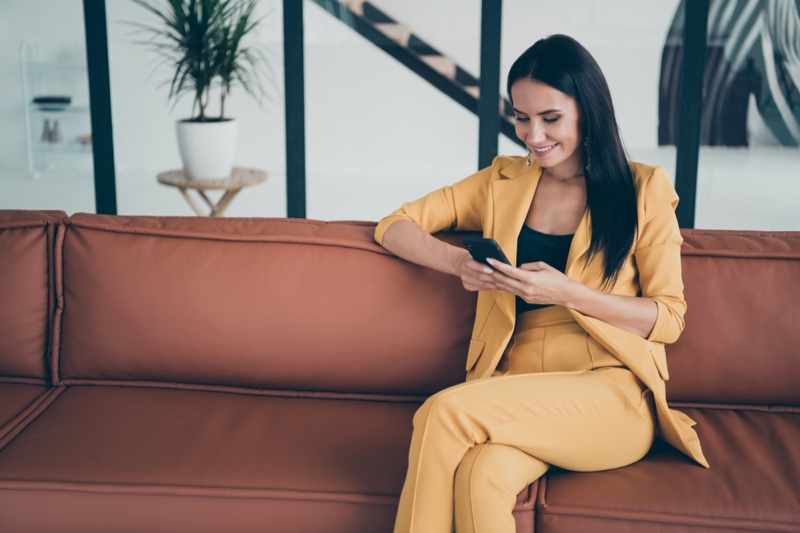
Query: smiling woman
(560, 368)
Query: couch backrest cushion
(741, 343)
(280, 304)
(27, 291)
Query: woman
(566, 364)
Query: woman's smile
(543, 150)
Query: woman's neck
(562, 175)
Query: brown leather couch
(191, 374)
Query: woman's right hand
(475, 276)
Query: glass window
(378, 134)
(145, 119)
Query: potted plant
(201, 41)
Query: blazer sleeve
(658, 256)
(460, 206)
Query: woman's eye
(550, 120)
(521, 119)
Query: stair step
(399, 33)
(465, 78)
(504, 106)
(421, 47)
(442, 64)
(369, 11)
(356, 6)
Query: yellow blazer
(496, 199)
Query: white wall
(376, 134)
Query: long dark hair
(564, 64)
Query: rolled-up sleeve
(459, 206)
(658, 257)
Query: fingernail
(487, 270)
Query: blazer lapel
(510, 197)
(580, 245)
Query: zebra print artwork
(751, 86)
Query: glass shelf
(42, 79)
(36, 108)
(73, 147)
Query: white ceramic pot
(207, 148)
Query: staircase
(401, 43)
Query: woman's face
(548, 122)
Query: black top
(533, 246)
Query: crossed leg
(487, 482)
(584, 421)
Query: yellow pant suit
(552, 386)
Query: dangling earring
(528, 161)
(588, 155)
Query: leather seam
(193, 491)
(33, 411)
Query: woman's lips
(544, 150)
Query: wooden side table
(239, 178)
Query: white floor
(737, 189)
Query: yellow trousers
(558, 398)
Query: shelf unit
(38, 78)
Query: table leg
(208, 201)
(191, 201)
(217, 209)
(224, 202)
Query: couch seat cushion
(158, 437)
(753, 483)
(139, 447)
(14, 399)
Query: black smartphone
(481, 248)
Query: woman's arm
(407, 240)
(407, 232)
(636, 314)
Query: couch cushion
(152, 437)
(753, 483)
(15, 400)
(156, 444)
(245, 461)
(26, 291)
(257, 303)
(741, 339)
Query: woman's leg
(591, 420)
(488, 480)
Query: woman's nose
(535, 134)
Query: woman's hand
(536, 283)
(540, 283)
(475, 275)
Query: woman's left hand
(536, 283)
